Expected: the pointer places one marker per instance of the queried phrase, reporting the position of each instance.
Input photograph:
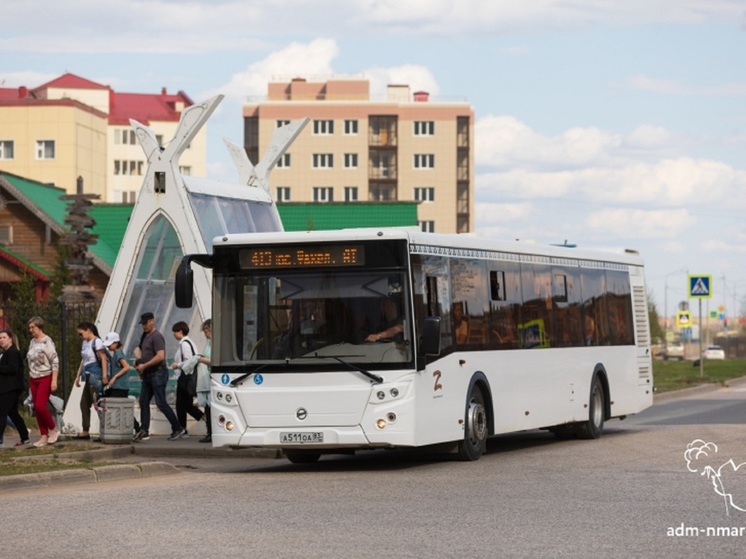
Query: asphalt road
(628, 494)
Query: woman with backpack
(93, 370)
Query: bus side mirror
(184, 284)
(431, 336)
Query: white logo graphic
(700, 288)
(728, 479)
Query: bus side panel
(441, 400)
(531, 389)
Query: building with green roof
(32, 221)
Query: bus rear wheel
(593, 428)
(474, 443)
(302, 456)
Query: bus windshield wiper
(372, 376)
(239, 378)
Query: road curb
(699, 389)
(86, 475)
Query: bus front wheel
(474, 443)
(593, 428)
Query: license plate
(301, 438)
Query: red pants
(40, 390)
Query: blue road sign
(699, 287)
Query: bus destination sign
(307, 256)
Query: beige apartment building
(72, 127)
(406, 147)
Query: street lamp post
(665, 294)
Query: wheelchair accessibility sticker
(258, 379)
(225, 379)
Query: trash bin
(116, 420)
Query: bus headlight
(381, 423)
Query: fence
(60, 321)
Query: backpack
(98, 357)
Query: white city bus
(327, 342)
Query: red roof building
(72, 127)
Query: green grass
(30, 460)
(676, 375)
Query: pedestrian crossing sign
(683, 319)
(699, 287)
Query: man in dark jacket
(154, 374)
(11, 385)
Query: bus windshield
(312, 319)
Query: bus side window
(497, 285)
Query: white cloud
(444, 17)
(297, 59)
(419, 78)
(505, 141)
(641, 224)
(491, 213)
(647, 136)
(702, 184)
(593, 166)
(314, 61)
(674, 87)
(201, 26)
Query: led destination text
(311, 256)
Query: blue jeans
(154, 385)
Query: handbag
(191, 384)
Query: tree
(655, 324)
(61, 275)
(24, 290)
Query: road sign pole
(701, 358)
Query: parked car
(713, 352)
(674, 350)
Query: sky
(600, 123)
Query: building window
(424, 161)
(127, 167)
(350, 193)
(45, 149)
(283, 194)
(282, 123)
(424, 128)
(323, 127)
(424, 194)
(127, 196)
(184, 170)
(6, 234)
(125, 136)
(323, 160)
(381, 192)
(323, 194)
(382, 165)
(159, 139)
(6, 149)
(351, 127)
(284, 161)
(427, 226)
(351, 160)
